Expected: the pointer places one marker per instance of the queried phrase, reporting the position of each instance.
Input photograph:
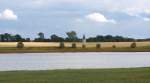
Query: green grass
(56, 49)
(135, 75)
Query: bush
(20, 45)
(62, 45)
(74, 45)
(133, 45)
(98, 45)
(83, 46)
(113, 46)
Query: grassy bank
(56, 49)
(137, 75)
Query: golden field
(68, 44)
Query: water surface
(50, 61)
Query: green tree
(18, 37)
(41, 35)
(7, 37)
(2, 38)
(55, 38)
(72, 36)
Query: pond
(52, 61)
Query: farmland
(41, 47)
(79, 44)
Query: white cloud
(130, 7)
(8, 14)
(141, 15)
(146, 19)
(111, 5)
(98, 17)
(115, 5)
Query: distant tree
(27, 39)
(99, 38)
(7, 37)
(119, 39)
(41, 35)
(2, 38)
(41, 38)
(91, 39)
(72, 36)
(109, 38)
(55, 38)
(18, 37)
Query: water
(51, 61)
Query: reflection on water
(47, 61)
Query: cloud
(8, 14)
(98, 17)
(130, 7)
(111, 5)
(145, 15)
(146, 19)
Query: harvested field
(68, 44)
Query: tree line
(6, 37)
(71, 37)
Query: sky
(129, 18)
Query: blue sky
(130, 18)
